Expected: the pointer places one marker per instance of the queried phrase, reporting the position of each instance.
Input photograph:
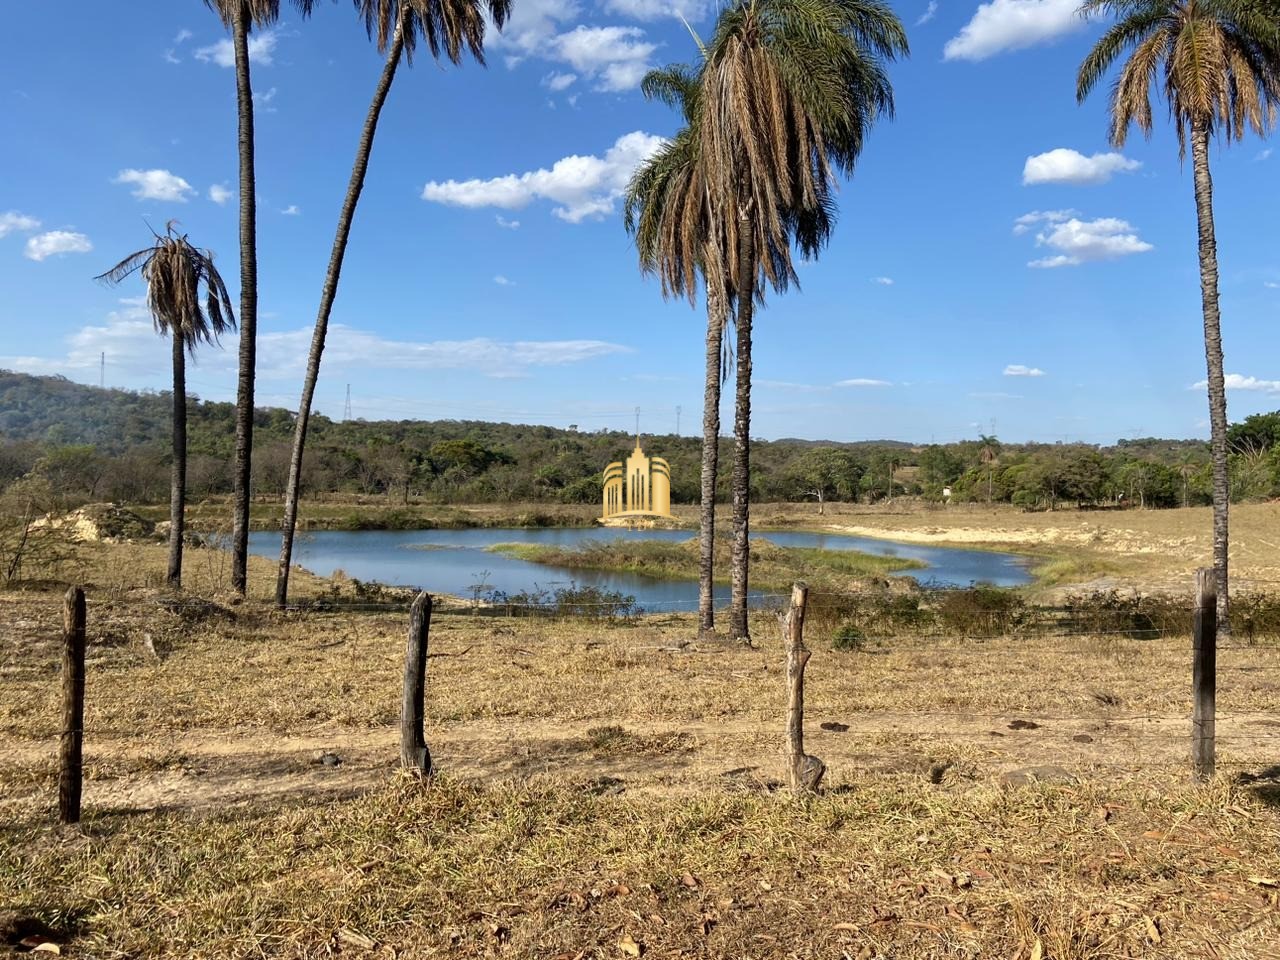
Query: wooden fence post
(805, 771)
(1204, 673)
(414, 754)
(71, 749)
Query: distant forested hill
(113, 444)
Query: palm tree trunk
(242, 469)
(178, 476)
(1213, 360)
(745, 298)
(716, 317)
(330, 290)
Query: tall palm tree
(447, 26)
(1221, 66)
(176, 273)
(788, 92)
(241, 16)
(988, 454)
(666, 209)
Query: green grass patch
(773, 567)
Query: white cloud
(618, 57)
(995, 395)
(262, 101)
(1022, 370)
(15, 222)
(883, 281)
(615, 57)
(1079, 241)
(56, 243)
(171, 57)
(220, 193)
(1070, 166)
(929, 13)
(156, 185)
(262, 47)
(502, 281)
(581, 186)
(505, 223)
(182, 37)
(134, 351)
(863, 382)
(1264, 154)
(1271, 284)
(1236, 381)
(1028, 220)
(531, 28)
(789, 385)
(691, 10)
(1012, 25)
(555, 82)
(292, 210)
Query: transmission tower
(346, 410)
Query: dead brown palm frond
(262, 13)
(176, 274)
(446, 26)
(1220, 61)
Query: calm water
(456, 562)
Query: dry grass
(1148, 549)
(610, 784)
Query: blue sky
(996, 264)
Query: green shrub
(848, 638)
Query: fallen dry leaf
(689, 880)
(1037, 950)
(1153, 932)
(845, 926)
(1265, 881)
(353, 939)
(48, 947)
(628, 946)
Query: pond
(456, 561)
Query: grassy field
(772, 567)
(612, 789)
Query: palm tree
(787, 93)
(666, 209)
(447, 26)
(988, 453)
(175, 273)
(1221, 66)
(240, 16)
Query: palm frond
(176, 273)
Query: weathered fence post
(805, 771)
(71, 749)
(1204, 673)
(414, 754)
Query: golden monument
(639, 488)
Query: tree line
(88, 444)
